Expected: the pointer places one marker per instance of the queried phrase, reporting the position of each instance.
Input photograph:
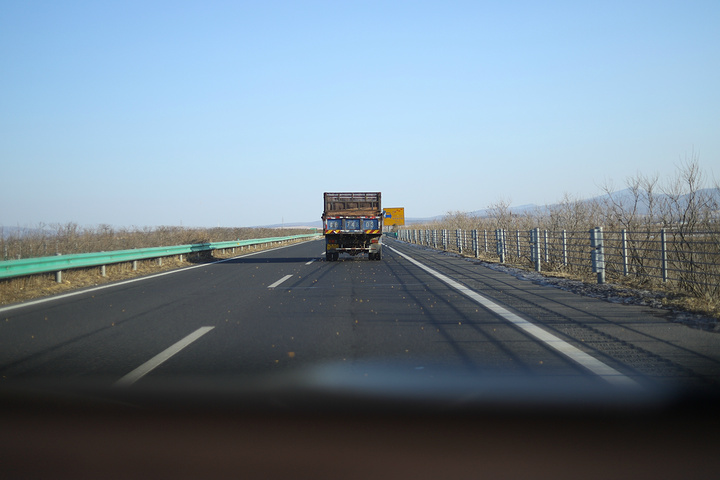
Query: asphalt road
(419, 312)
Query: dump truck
(352, 223)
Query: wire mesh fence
(689, 260)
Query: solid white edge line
(132, 280)
(279, 281)
(160, 358)
(586, 360)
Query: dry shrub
(70, 238)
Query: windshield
(470, 213)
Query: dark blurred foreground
(335, 423)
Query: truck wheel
(328, 257)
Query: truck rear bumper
(353, 244)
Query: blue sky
(243, 113)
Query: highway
(420, 311)
(279, 364)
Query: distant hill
(18, 232)
(624, 198)
(519, 210)
(298, 225)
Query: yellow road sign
(394, 216)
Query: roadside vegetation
(48, 240)
(687, 206)
(71, 238)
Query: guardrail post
(102, 271)
(564, 247)
(597, 254)
(458, 240)
(663, 246)
(58, 274)
(517, 242)
(476, 243)
(444, 240)
(486, 240)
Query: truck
(352, 223)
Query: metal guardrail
(691, 260)
(58, 263)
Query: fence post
(535, 248)
(458, 240)
(444, 240)
(547, 248)
(625, 253)
(476, 243)
(564, 247)
(517, 242)
(597, 254)
(503, 234)
(663, 246)
(500, 242)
